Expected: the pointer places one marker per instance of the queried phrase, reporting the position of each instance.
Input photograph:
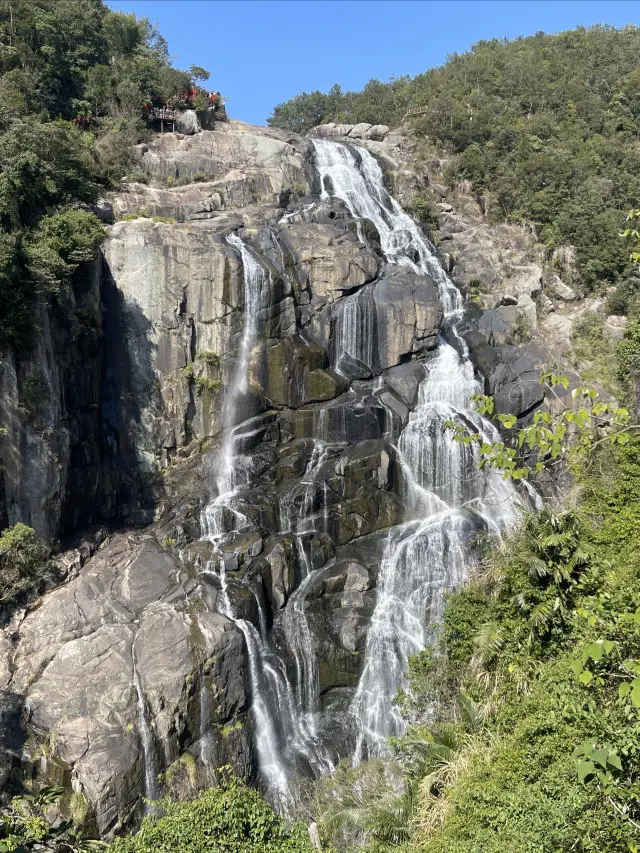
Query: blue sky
(263, 52)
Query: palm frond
(470, 713)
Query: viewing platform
(160, 115)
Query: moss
(79, 809)
(135, 214)
(33, 393)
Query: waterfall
(448, 497)
(206, 719)
(220, 517)
(354, 176)
(448, 501)
(146, 738)
(295, 622)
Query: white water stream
(448, 500)
(146, 738)
(447, 495)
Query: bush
(209, 357)
(593, 353)
(22, 563)
(628, 362)
(208, 386)
(231, 818)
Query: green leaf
(600, 756)
(596, 650)
(614, 761)
(585, 677)
(577, 666)
(624, 689)
(585, 769)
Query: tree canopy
(546, 127)
(74, 78)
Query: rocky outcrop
(76, 660)
(355, 132)
(131, 663)
(247, 165)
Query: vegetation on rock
(544, 127)
(74, 78)
(23, 561)
(33, 823)
(231, 817)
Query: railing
(161, 113)
(416, 111)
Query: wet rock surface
(150, 649)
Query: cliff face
(151, 649)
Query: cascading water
(357, 179)
(220, 515)
(294, 619)
(448, 501)
(146, 738)
(449, 497)
(220, 518)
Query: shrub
(22, 563)
(231, 818)
(33, 823)
(61, 242)
(204, 385)
(628, 362)
(209, 357)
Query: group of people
(191, 94)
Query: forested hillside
(74, 78)
(547, 127)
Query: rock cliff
(151, 649)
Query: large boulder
(386, 323)
(512, 377)
(326, 262)
(187, 122)
(297, 374)
(111, 655)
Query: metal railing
(160, 113)
(416, 111)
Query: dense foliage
(32, 822)
(534, 743)
(228, 819)
(546, 127)
(23, 563)
(74, 78)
